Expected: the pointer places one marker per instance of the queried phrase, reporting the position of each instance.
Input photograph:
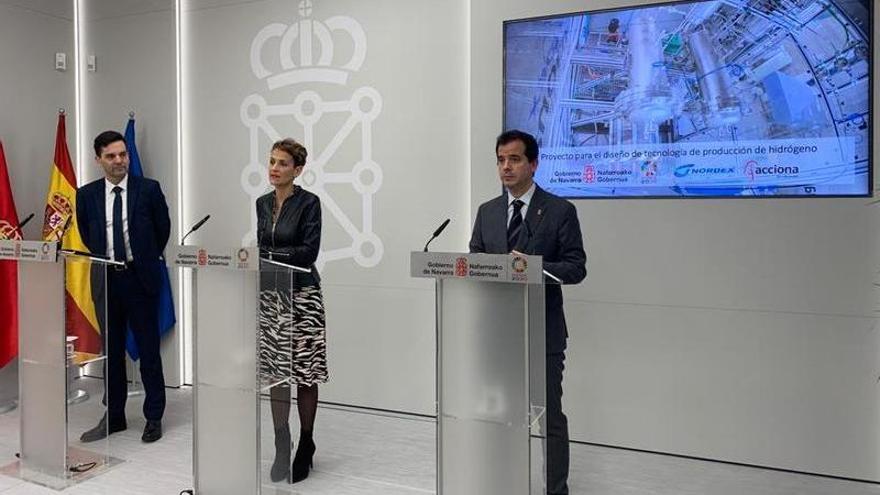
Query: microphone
(64, 230)
(195, 228)
(523, 251)
(24, 222)
(85, 253)
(437, 233)
(528, 231)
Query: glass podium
(62, 307)
(228, 385)
(491, 386)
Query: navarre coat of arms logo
(309, 63)
(461, 267)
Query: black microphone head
(441, 227)
(25, 221)
(201, 222)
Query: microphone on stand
(22, 223)
(437, 233)
(76, 252)
(195, 228)
(25, 221)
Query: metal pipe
(715, 82)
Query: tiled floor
(361, 452)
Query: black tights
(306, 404)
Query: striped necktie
(515, 226)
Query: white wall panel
(31, 92)
(413, 65)
(136, 70)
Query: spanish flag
(59, 224)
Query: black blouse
(296, 236)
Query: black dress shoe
(152, 431)
(101, 430)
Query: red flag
(8, 270)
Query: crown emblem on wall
(306, 58)
(307, 50)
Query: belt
(121, 268)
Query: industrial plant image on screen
(723, 98)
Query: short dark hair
(527, 139)
(105, 139)
(292, 148)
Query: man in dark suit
(126, 218)
(525, 219)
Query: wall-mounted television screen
(726, 98)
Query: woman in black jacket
(292, 331)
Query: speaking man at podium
(528, 220)
(126, 218)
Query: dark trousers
(128, 304)
(557, 428)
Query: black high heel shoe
(302, 461)
(280, 469)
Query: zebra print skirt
(293, 346)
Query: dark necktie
(515, 225)
(118, 239)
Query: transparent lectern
(227, 383)
(491, 387)
(62, 304)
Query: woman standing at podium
(292, 341)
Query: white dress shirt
(109, 197)
(525, 198)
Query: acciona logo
(754, 170)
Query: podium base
(77, 396)
(8, 406)
(82, 465)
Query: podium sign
(245, 258)
(481, 267)
(29, 251)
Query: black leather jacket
(295, 238)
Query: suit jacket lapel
(134, 189)
(534, 216)
(100, 199)
(498, 223)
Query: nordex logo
(309, 63)
(692, 169)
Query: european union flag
(167, 319)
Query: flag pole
(137, 388)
